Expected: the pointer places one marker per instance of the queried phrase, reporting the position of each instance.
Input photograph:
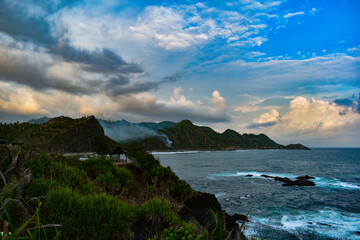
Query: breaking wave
(331, 183)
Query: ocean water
(330, 210)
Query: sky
(286, 68)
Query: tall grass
(97, 216)
(32, 228)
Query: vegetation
(187, 136)
(60, 135)
(91, 199)
(183, 233)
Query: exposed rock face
(199, 207)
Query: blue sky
(286, 68)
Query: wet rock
(300, 182)
(266, 176)
(307, 177)
(281, 179)
(249, 175)
(199, 206)
(324, 224)
(239, 217)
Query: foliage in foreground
(89, 217)
(88, 199)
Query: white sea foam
(332, 183)
(335, 183)
(179, 152)
(327, 222)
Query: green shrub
(107, 175)
(179, 189)
(89, 217)
(44, 168)
(40, 187)
(41, 166)
(159, 212)
(140, 157)
(182, 233)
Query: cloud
(20, 102)
(293, 14)
(313, 11)
(23, 101)
(256, 5)
(18, 21)
(37, 44)
(266, 119)
(309, 117)
(167, 28)
(291, 75)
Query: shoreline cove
(329, 210)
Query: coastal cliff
(95, 199)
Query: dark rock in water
(266, 176)
(299, 182)
(239, 217)
(281, 179)
(199, 207)
(305, 177)
(249, 175)
(324, 224)
(357, 232)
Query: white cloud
(317, 115)
(354, 50)
(256, 5)
(293, 14)
(167, 28)
(20, 101)
(269, 117)
(309, 117)
(313, 11)
(25, 101)
(275, 72)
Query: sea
(329, 210)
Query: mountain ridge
(64, 134)
(185, 135)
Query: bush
(140, 157)
(89, 217)
(41, 186)
(107, 175)
(183, 233)
(44, 168)
(159, 212)
(179, 189)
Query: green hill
(60, 135)
(187, 136)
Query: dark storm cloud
(36, 78)
(17, 21)
(115, 86)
